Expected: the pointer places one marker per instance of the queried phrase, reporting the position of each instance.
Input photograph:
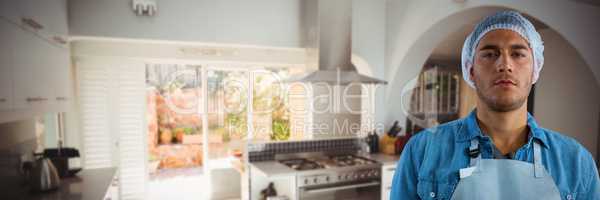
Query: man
(498, 151)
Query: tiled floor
(190, 184)
(184, 184)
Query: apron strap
(475, 147)
(537, 160)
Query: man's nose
(504, 64)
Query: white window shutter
(131, 105)
(94, 106)
(112, 108)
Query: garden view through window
(176, 104)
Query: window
(227, 111)
(175, 100)
(174, 121)
(271, 113)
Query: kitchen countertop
(89, 184)
(273, 169)
(384, 158)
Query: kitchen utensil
(373, 142)
(401, 141)
(394, 130)
(60, 158)
(43, 176)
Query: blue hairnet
(509, 20)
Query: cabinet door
(112, 193)
(387, 175)
(51, 14)
(31, 74)
(61, 79)
(9, 10)
(7, 34)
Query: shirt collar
(470, 129)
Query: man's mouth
(504, 82)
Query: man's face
(502, 70)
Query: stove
(350, 160)
(301, 164)
(316, 174)
(345, 176)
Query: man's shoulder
(441, 133)
(568, 158)
(567, 149)
(562, 142)
(445, 128)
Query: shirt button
(569, 197)
(432, 194)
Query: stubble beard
(498, 104)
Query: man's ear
(471, 72)
(533, 75)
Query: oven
(366, 190)
(336, 177)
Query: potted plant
(281, 130)
(153, 163)
(179, 132)
(191, 137)
(166, 136)
(280, 124)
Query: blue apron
(505, 179)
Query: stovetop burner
(301, 164)
(319, 169)
(350, 160)
(326, 162)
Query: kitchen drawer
(387, 173)
(387, 176)
(6, 65)
(386, 188)
(112, 192)
(385, 193)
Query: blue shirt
(428, 167)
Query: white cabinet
(51, 15)
(32, 69)
(35, 70)
(112, 193)
(62, 79)
(9, 10)
(6, 62)
(285, 184)
(387, 175)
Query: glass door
(227, 114)
(174, 122)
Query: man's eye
(488, 54)
(518, 55)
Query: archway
(410, 64)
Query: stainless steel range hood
(328, 38)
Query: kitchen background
(128, 88)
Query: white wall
(567, 98)
(368, 42)
(261, 22)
